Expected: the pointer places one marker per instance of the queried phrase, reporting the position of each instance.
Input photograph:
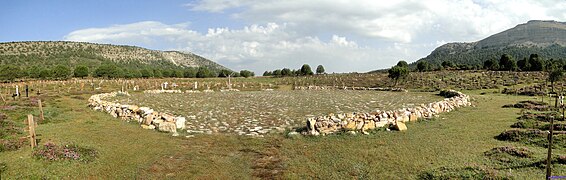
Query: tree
(536, 63)
(267, 73)
(492, 65)
(80, 72)
(555, 75)
(10, 73)
(145, 73)
(166, 73)
(422, 66)
(61, 72)
(246, 73)
(203, 72)
(45, 74)
(286, 72)
(320, 69)
(447, 64)
(135, 73)
(190, 73)
(507, 63)
(524, 64)
(225, 73)
(403, 64)
(33, 72)
(108, 71)
(157, 73)
(398, 72)
(277, 73)
(306, 70)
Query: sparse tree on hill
(80, 72)
(320, 69)
(398, 72)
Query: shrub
(448, 93)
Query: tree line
(505, 63)
(111, 71)
(305, 70)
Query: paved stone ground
(259, 112)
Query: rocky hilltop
(52, 53)
(546, 38)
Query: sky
(260, 35)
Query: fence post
(549, 157)
(31, 126)
(41, 118)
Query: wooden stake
(31, 126)
(549, 157)
(41, 118)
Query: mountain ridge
(72, 53)
(547, 38)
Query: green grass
(455, 140)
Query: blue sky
(259, 35)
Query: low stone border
(187, 91)
(362, 122)
(348, 88)
(147, 117)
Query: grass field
(240, 112)
(456, 140)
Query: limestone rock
(167, 127)
(400, 126)
(351, 125)
(147, 126)
(180, 122)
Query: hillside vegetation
(28, 56)
(545, 38)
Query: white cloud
(402, 21)
(255, 47)
(343, 35)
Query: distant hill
(72, 54)
(545, 38)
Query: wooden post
(31, 126)
(41, 118)
(549, 156)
